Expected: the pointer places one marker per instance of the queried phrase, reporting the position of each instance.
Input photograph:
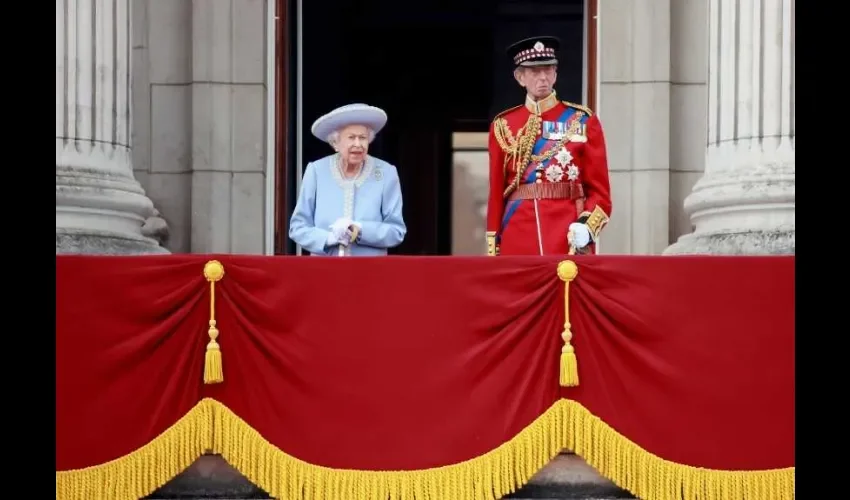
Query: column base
(772, 242)
(103, 212)
(744, 205)
(88, 242)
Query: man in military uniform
(549, 187)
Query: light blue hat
(350, 114)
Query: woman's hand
(334, 240)
(340, 230)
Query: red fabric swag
(692, 358)
(404, 363)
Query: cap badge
(539, 47)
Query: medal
(554, 131)
(580, 135)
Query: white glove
(333, 240)
(580, 234)
(340, 230)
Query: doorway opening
(441, 73)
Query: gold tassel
(213, 372)
(567, 271)
(569, 367)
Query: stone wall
(199, 71)
(652, 107)
(198, 111)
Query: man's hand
(580, 235)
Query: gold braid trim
(211, 426)
(581, 107)
(521, 147)
(526, 137)
(650, 477)
(574, 127)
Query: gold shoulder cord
(522, 147)
(505, 139)
(519, 148)
(504, 136)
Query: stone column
(744, 204)
(100, 208)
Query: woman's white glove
(580, 234)
(333, 240)
(340, 230)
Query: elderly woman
(350, 202)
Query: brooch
(564, 157)
(554, 172)
(378, 174)
(572, 172)
(562, 166)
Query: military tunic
(548, 169)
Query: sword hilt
(570, 238)
(355, 232)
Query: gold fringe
(650, 477)
(566, 424)
(141, 472)
(489, 476)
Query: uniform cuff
(595, 221)
(492, 245)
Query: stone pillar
(100, 208)
(228, 160)
(744, 204)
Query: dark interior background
(436, 67)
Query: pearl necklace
(342, 172)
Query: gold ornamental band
(548, 191)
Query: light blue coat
(372, 200)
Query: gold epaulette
(580, 107)
(503, 113)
